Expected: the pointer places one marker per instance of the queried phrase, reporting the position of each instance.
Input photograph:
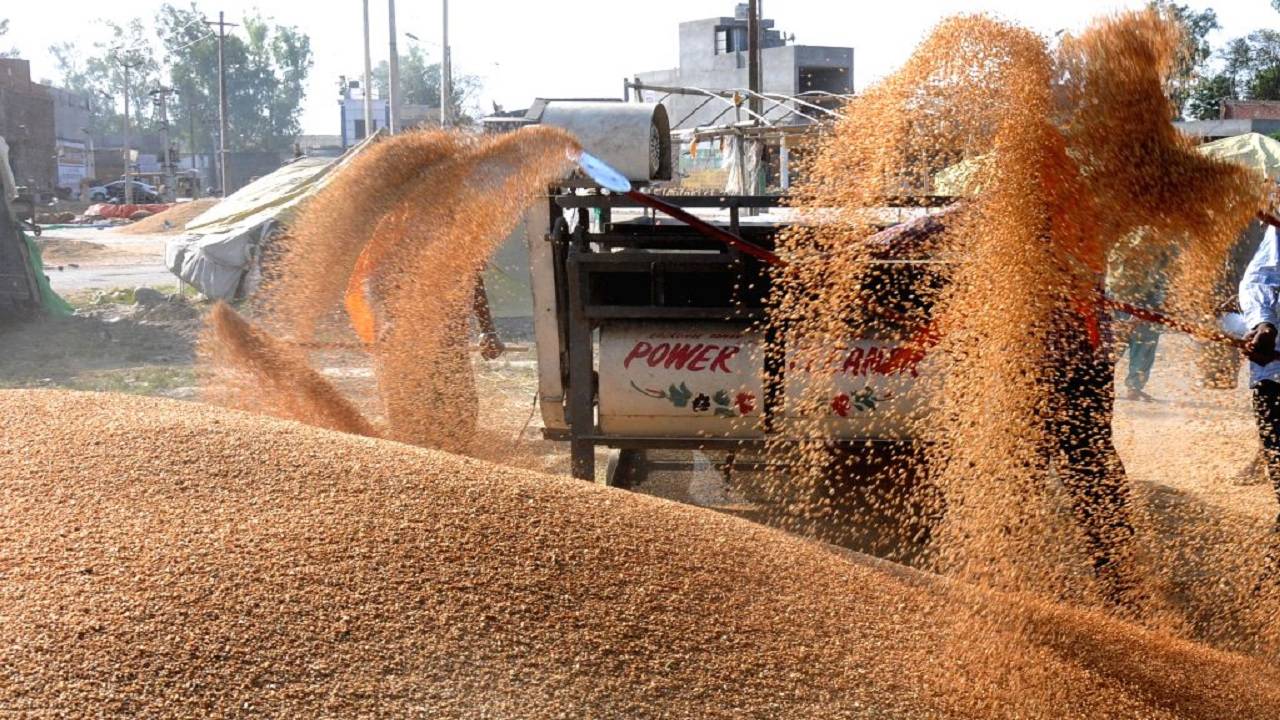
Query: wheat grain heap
(161, 559)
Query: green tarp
(51, 301)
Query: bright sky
(524, 49)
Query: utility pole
(195, 166)
(393, 74)
(161, 97)
(753, 54)
(446, 73)
(128, 152)
(222, 99)
(128, 140)
(368, 86)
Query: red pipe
(1192, 329)
(927, 336)
(707, 228)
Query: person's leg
(1142, 355)
(1266, 411)
(1093, 474)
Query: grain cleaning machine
(648, 331)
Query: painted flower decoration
(840, 405)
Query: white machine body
(706, 380)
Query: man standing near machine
(1260, 303)
(1137, 274)
(1077, 385)
(1080, 405)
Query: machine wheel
(626, 469)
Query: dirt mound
(55, 249)
(173, 220)
(167, 560)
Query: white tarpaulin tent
(1256, 152)
(220, 245)
(1252, 150)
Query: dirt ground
(80, 261)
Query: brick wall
(1250, 110)
(26, 123)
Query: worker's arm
(1259, 289)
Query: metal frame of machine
(646, 271)
(603, 265)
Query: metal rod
(1152, 316)
(784, 162)
(753, 53)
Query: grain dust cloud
(403, 265)
(1064, 151)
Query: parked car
(114, 192)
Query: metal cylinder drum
(634, 138)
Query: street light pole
(367, 85)
(393, 72)
(128, 141)
(446, 74)
(753, 55)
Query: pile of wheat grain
(170, 221)
(165, 559)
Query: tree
(1195, 51)
(102, 75)
(1206, 95)
(1250, 71)
(266, 66)
(420, 85)
(4, 30)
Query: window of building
(731, 39)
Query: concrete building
(713, 56)
(27, 125)
(351, 107)
(71, 117)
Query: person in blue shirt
(1260, 305)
